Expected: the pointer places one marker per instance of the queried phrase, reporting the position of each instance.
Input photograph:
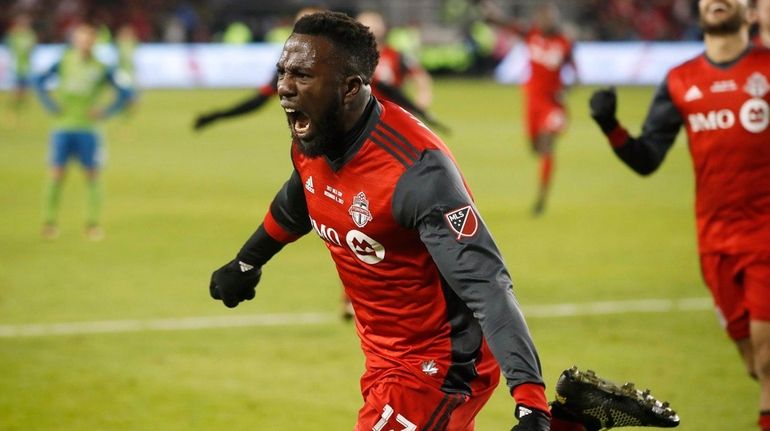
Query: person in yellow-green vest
(77, 112)
(21, 41)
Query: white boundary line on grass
(298, 319)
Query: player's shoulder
(404, 126)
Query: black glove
(234, 282)
(603, 105)
(204, 120)
(531, 420)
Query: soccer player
(81, 80)
(721, 98)
(550, 51)
(434, 309)
(21, 41)
(763, 23)
(395, 68)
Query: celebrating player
(433, 302)
(81, 78)
(721, 98)
(550, 51)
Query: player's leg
(89, 153)
(756, 280)
(60, 150)
(544, 146)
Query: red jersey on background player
(435, 311)
(721, 98)
(550, 51)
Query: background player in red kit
(435, 311)
(395, 68)
(721, 98)
(762, 38)
(550, 51)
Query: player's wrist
(531, 396)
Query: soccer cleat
(50, 232)
(94, 232)
(600, 404)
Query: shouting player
(81, 80)
(550, 51)
(433, 302)
(721, 98)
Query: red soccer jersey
(393, 67)
(548, 55)
(725, 111)
(425, 279)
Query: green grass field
(180, 204)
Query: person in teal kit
(75, 106)
(21, 41)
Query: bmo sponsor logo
(754, 116)
(714, 120)
(365, 248)
(328, 234)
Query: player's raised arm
(265, 93)
(286, 221)
(431, 197)
(645, 153)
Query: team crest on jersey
(359, 210)
(757, 85)
(463, 221)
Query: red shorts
(740, 286)
(544, 116)
(399, 400)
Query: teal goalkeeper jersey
(21, 43)
(81, 82)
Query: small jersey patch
(463, 221)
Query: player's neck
(724, 48)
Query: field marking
(300, 319)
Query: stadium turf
(179, 204)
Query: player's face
(720, 17)
(310, 86)
(83, 38)
(547, 18)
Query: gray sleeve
(661, 126)
(431, 197)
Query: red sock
(546, 170)
(562, 425)
(764, 420)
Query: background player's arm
(472, 266)
(41, 89)
(643, 154)
(399, 98)
(123, 92)
(265, 93)
(493, 14)
(286, 221)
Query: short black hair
(344, 32)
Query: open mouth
(717, 8)
(299, 121)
